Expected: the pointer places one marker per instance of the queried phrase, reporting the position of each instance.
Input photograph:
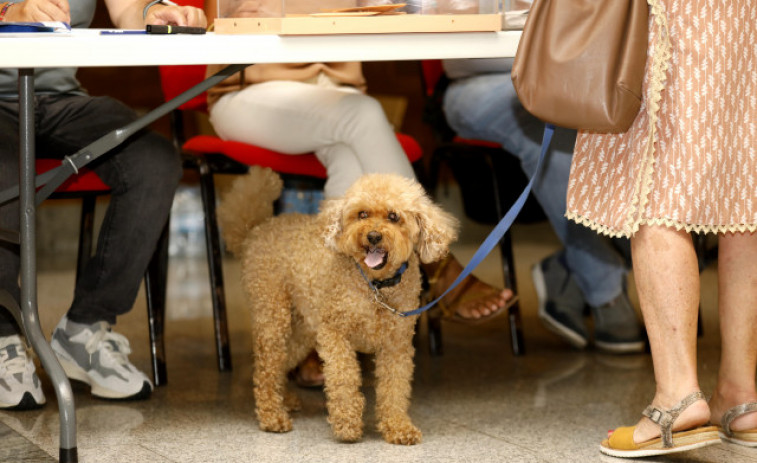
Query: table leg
(27, 193)
(29, 310)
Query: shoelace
(115, 343)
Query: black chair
(490, 181)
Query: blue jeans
(486, 107)
(143, 174)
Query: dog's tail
(246, 204)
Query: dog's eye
(362, 215)
(393, 217)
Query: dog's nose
(374, 237)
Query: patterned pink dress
(689, 160)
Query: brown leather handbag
(580, 63)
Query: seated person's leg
(143, 174)
(589, 270)
(349, 133)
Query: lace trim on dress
(661, 56)
(678, 225)
(660, 59)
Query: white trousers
(346, 129)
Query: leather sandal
(747, 438)
(621, 444)
(464, 296)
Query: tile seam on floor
(491, 436)
(155, 452)
(29, 444)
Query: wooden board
(373, 8)
(381, 24)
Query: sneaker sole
(77, 373)
(27, 403)
(553, 325)
(634, 347)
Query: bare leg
(667, 280)
(737, 301)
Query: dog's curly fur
(306, 278)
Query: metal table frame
(88, 48)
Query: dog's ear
(438, 229)
(331, 215)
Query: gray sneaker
(561, 303)
(97, 356)
(617, 329)
(20, 388)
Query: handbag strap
(499, 231)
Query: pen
(168, 29)
(122, 32)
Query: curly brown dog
(330, 281)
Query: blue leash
(499, 231)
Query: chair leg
(508, 270)
(434, 324)
(513, 314)
(215, 261)
(86, 228)
(155, 287)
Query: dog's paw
(402, 432)
(292, 402)
(274, 421)
(347, 432)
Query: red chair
(87, 186)
(177, 79)
(490, 181)
(210, 155)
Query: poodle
(334, 282)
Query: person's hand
(176, 16)
(39, 10)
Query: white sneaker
(97, 356)
(20, 388)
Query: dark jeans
(143, 174)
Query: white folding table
(88, 48)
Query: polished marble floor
(475, 403)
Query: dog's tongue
(374, 257)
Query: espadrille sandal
(747, 438)
(621, 444)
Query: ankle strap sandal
(665, 418)
(734, 413)
(747, 437)
(621, 443)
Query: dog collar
(375, 285)
(386, 283)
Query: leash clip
(383, 304)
